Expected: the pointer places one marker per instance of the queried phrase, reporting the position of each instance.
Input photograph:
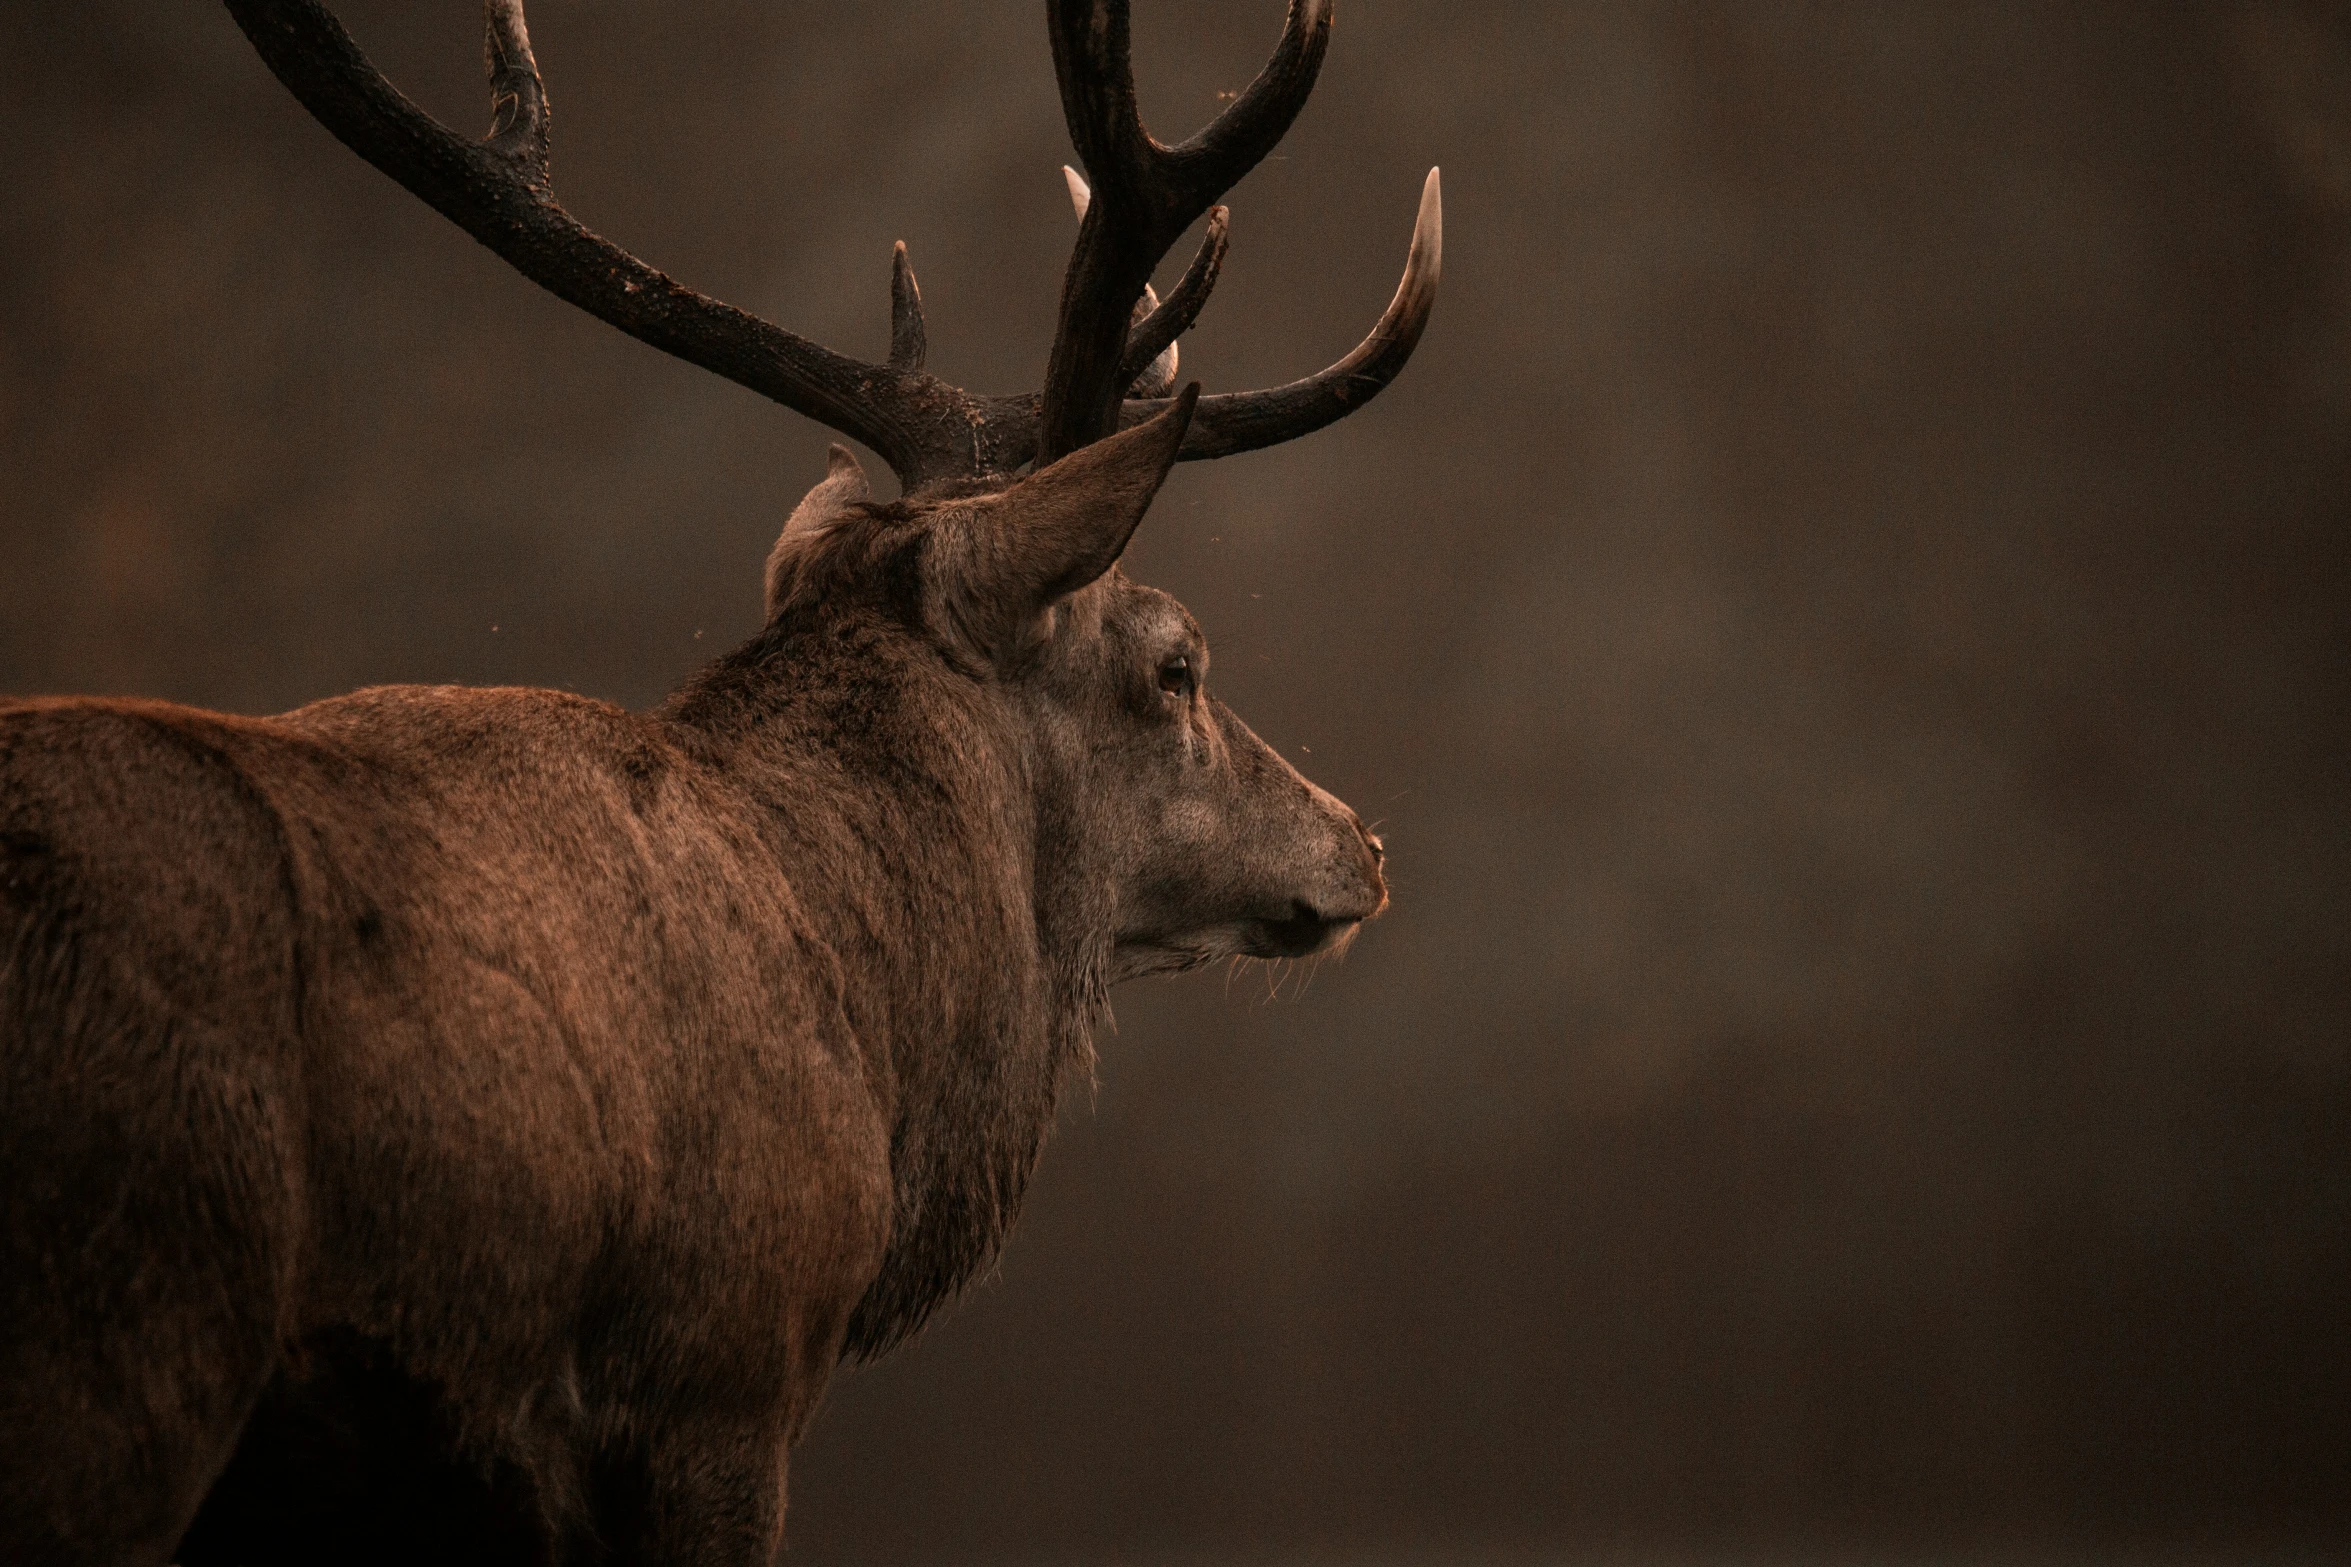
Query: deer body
(568, 1103)
(465, 1125)
(591, 1081)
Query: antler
(499, 191)
(1233, 422)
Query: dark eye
(1175, 676)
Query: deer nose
(1377, 885)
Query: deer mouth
(1301, 933)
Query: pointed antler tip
(1428, 230)
(907, 347)
(1081, 195)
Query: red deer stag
(470, 1125)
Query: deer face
(1181, 836)
(1213, 845)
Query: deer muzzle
(1354, 892)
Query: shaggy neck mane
(907, 820)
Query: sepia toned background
(1842, 625)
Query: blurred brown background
(1843, 626)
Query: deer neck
(902, 813)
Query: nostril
(1304, 913)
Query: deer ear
(842, 487)
(1019, 552)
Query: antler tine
(1094, 67)
(497, 191)
(518, 97)
(1211, 162)
(1157, 332)
(1145, 194)
(1152, 331)
(908, 346)
(1244, 421)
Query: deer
(472, 1125)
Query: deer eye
(1175, 676)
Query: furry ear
(1017, 553)
(842, 487)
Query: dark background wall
(1843, 626)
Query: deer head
(1179, 834)
(1170, 835)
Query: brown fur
(450, 1124)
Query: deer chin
(1151, 959)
